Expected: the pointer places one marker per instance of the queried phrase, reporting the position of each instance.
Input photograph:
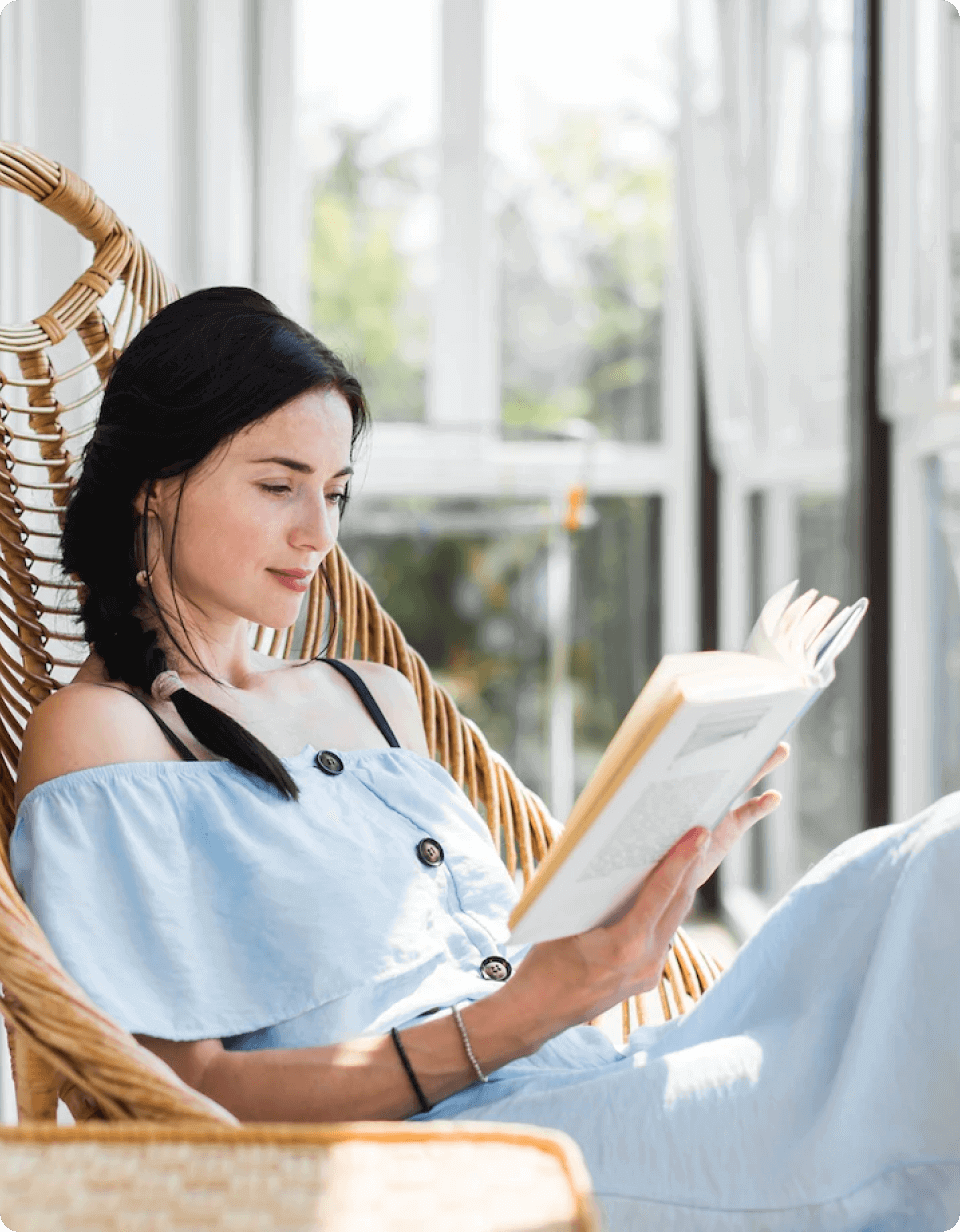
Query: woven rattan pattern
(144, 1178)
(61, 1042)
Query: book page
(660, 809)
(698, 775)
(701, 762)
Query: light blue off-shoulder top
(189, 900)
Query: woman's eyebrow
(302, 467)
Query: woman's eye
(338, 498)
(275, 487)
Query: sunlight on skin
(739, 820)
(354, 1053)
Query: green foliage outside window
(364, 302)
(581, 293)
(581, 255)
(474, 606)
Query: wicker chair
(61, 1043)
(148, 1177)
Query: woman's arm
(360, 1080)
(558, 985)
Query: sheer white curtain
(765, 175)
(764, 184)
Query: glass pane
(469, 584)
(581, 116)
(465, 581)
(368, 118)
(827, 802)
(616, 620)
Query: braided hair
(205, 367)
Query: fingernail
(702, 840)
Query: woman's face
(257, 516)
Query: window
(368, 112)
(581, 140)
(513, 167)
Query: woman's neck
(199, 652)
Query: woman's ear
(141, 498)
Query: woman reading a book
(256, 868)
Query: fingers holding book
(773, 762)
(581, 976)
(733, 827)
(642, 930)
(739, 820)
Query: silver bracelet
(481, 1076)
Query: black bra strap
(366, 697)
(172, 738)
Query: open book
(701, 729)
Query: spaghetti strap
(172, 738)
(366, 697)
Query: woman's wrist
(500, 1028)
(505, 1026)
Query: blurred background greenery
(473, 603)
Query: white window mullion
(60, 108)
(462, 382)
(678, 551)
(280, 262)
(224, 144)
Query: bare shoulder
(397, 698)
(84, 725)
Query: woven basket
(62, 1044)
(290, 1178)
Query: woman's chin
(276, 615)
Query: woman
(256, 868)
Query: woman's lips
(293, 579)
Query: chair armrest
(395, 1177)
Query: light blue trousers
(815, 1086)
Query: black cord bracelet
(418, 1090)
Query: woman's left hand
(739, 820)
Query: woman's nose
(318, 527)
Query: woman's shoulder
(392, 692)
(397, 698)
(82, 725)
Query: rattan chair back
(52, 371)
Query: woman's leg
(816, 1086)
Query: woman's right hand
(568, 981)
